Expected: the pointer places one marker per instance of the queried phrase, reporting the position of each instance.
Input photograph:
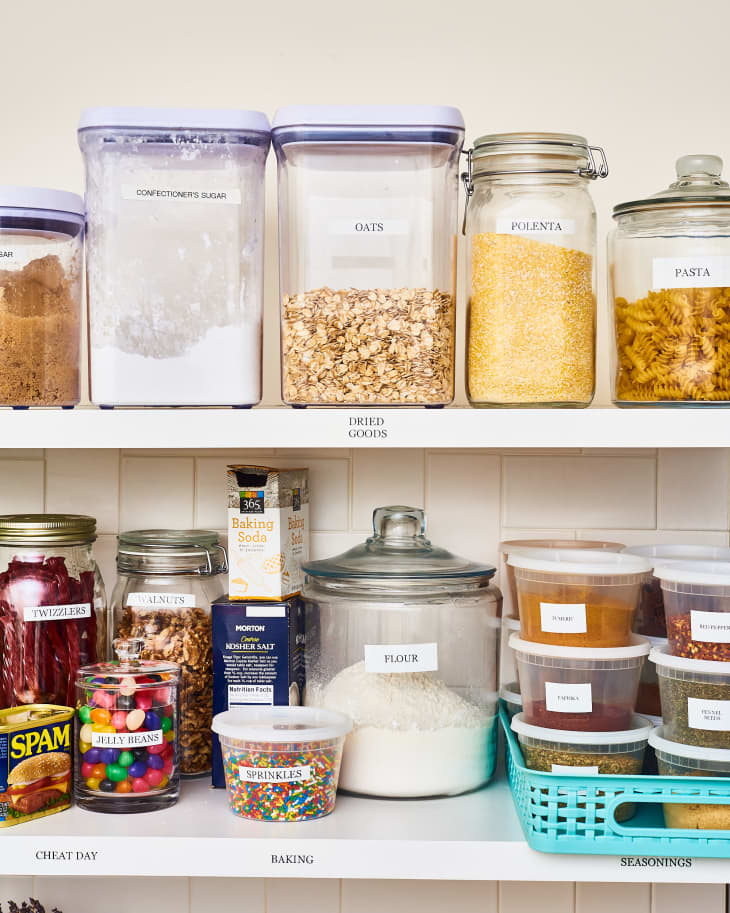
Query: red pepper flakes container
(697, 608)
(52, 606)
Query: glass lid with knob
(699, 184)
(128, 667)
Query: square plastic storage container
(695, 695)
(175, 255)
(577, 688)
(697, 608)
(578, 597)
(367, 253)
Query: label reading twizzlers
(714, 715)
(57, 612)
(711, 627)
(127, 739)
(563, 618)
(562, 698)
(401, 657)
(299, 774)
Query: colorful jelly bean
(85, 714)
(143, 700)
(135, 719)
(109, 755)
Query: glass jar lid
(128, 669)
(47, 529)
(699, 184)
(171, 551)
(398, 550)
(537, 153)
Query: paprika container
(126, 733)
(531, 246)
(367, 253)
(41, 276)
(669, 284)
(52, 606)
(167, 580)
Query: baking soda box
(268, 531)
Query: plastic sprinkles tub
(281, 763)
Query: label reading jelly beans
(298, 774)
(127, 739)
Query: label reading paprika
(562, 698)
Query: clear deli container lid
(511, 693)
(515, 546)
(665, 554)
(703, 758)
(511, 623)
(699, 184)
(43, 198)
(281, 724)
(640, 731)
(579, 561)
(386, 116)
(638, 647)
(398, 550)
(689, 669)
(175, 119)
(701, 573)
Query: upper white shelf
(316, 427)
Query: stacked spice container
(579, 662)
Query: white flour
(413, 735)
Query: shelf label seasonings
(401, 657)
(563, 618)
(707, 714)
(564, 698)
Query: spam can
(35, 762)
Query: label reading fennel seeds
(127, 739)
(535, 225)
(181, 194)
(57, 612)
(298, 774)
(712, 627)
(401, 657)
(690, 272)
(562, 698)
(563, 618)
(574, 770)
(161, 600)
(714, 715)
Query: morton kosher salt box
(258, 658)
(268, 531)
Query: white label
(573, 770)
(127, 739)
(563, 617)
(535, 225)
(266, 611)
(57, 612)
(241, 695)
(401, 657)
(713, 715)
(161, 600)
(369, 227)
(6, 254)
(712, 627)
(275, 774)
(182, 194)
(690, 272)
(562, 698)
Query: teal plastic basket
(566, 814)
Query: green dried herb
(674, 694)
(542, 758)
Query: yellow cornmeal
(531, 322)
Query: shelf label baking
(182, 194)
(57, 612)
(401, 657)
(690, 272)
(704, 714)
(535, 225)
(562, 698)
(563, 617)
(161, 600)
(574, 770)
(243, 695)
(711, 627)
(127, 739)
(295, 774)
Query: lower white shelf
(473, 837)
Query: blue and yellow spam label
(35, 762)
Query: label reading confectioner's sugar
(563, 618)
(369, 227)
(6, 254)
(127, 739)
(242, 695)
(57, 612)
(161, 600)
(181, 194)
(702, 714)
(535, 225)
(401, 657)
(690, 272)
(297, 774)
(712, 627)
(562, 698)
(574, 770)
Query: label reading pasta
(711, 627)
(562, 698)
(712, 715)
(535, 225)
(690, 272)
(563, 618)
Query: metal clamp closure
(591, 171)
(466, 179)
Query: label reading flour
(535, 225)
(298, 774)
(713, 715)
(242, 695)
(712, 627)
(562, 698)
(574, 770)
(127, 739)
(563, 618)
(161, 600)
(57, 612)
(401, 657)
(690, 272)
(182, 194)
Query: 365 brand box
(258, 658)
(268, 531)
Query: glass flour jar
(402, 638)
(175, 226)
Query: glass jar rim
(47, 529)
(171, 551)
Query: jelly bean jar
(126, 733)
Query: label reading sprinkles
(298, 774)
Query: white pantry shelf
(473, 837)
(315, 427)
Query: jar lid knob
(128, 649)
(398, 522)
(688, 165)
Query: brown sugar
(39, 335)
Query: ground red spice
(603, 717)
(679, 631)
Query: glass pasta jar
(669, 258)
(368, 200)
(531, 227)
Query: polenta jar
(669, 278)
(531, 228)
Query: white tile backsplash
(609, 898)
(303, 895)
(382, 477)
(156, 492)
(79, 894)
(89, 485)
(545, 896)
(22, 486)
(226, 895)
(422, 896)
(692, 488)
(683, 898)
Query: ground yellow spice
(531, 336)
